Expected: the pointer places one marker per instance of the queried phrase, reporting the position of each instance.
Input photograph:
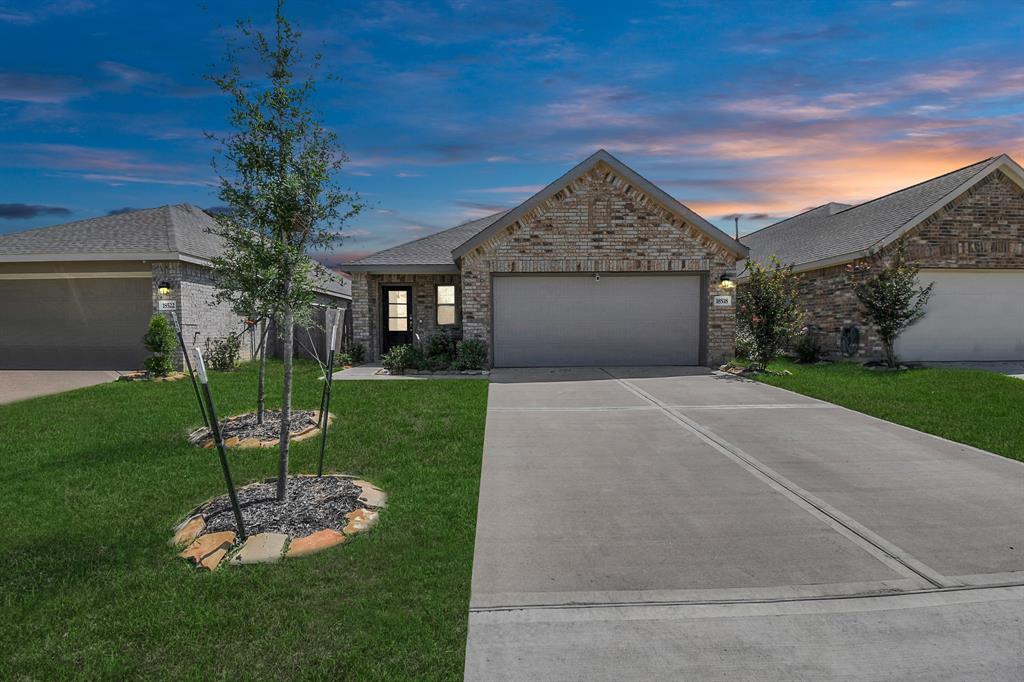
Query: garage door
(74, 323)
(972, 315)
(576, 320)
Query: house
(964, 229)
(601, 267)
(80, 295)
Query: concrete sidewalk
(668, 523)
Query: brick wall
(982, 228)
(366, 310)
(600, 223)
(201, 317)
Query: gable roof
(601, 156)
(836, 233)
(175, 232)
(432, 253)
(441, 251)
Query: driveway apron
(630, 518)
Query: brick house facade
(978, 229)
(597, 219)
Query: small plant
(223, 354)
(744, 344)
(344, 359)
(163, 343)
(807, 347)
(769, 311)
(400, 358)
(891, 298)
(471, 354)
(357, 353)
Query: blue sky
(453, 110)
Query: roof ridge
(433, 234)
(916, 184)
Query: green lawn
(93, 480)
(978, 408)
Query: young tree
(768, 311)
(280, 185)
(891, 297)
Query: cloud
(509, 189)
(26, 211)
(39, 88)
(116, 180)
(43, 11)
(124, 209)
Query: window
(446, 304)
(398, 311)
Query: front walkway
(677, 524)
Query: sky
(450, 111)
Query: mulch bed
(244, 427)
(313, 503)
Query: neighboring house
(80, 295)
(600, 267)
(965, 230)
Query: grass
(977, 408)
(93, 480)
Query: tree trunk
(288, 342)
(261, 388)
(890, 354)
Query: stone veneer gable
(981, 228)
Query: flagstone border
(213, 550)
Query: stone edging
(145, 376)
(210, 551)
(201, 437)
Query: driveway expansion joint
(883, 550)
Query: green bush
(744, 344)
(343, 359)
(439, 353)
(471, 354)
(357, 353)
(807, 348)
(400, 358)
(223, 354)
(769, 310)
(160, 340)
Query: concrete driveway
(21, 384)
(678, 524)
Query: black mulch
(313, 504)
(245, 426)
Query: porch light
(164, 289)
(726, 281)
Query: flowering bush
(768, 314)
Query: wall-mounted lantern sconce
(726, 281)
(164, 289)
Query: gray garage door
(972, 315)
(74, 323)
(574, 320)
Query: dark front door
(397, 311)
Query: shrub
(342, 359)
(892, 299)
(471, 354)
(223, 354)
(744, 344)
(439, 352)
(768, 310)
(357, 353)
(807, 347)
(400, 358)
(161, 340)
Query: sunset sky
(450, 111)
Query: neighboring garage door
(972, 315)
(74, 323)
(575, 320)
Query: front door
(397, 312)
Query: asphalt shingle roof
(434, 249)
(835, 230)
(166, 231)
